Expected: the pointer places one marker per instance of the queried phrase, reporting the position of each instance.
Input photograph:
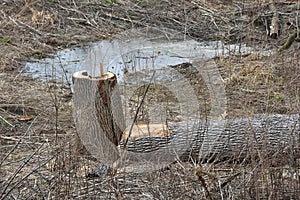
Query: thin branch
(28, 174)
(5, 157)
(138, 109)
(6, 121)
(17, 171)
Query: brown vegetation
(38, 153)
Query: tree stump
(98, 114)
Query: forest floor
(39, 155)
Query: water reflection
(137, 56)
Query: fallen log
(100, 125)
(219, 140)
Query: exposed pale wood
(101, 70)
(143, 130)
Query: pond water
(137, 56)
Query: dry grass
(39, 156)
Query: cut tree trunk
(98, 114)
(219, 139)
(100, 124)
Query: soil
(39, 153)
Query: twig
(138, 109)
(64, 72)
(6, 121)
(8, 106)
(5, 157)
(120, 161)
(28, 174)
(18, 23)
(297, 19)
(16, 172)
(124, 19)
(203, 8)
(8, 138)
(78, 12)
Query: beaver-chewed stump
(100, 125)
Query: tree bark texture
(220, 139)
(98, 114)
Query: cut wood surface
(147, 129)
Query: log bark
(219, 139)
(290, 40)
